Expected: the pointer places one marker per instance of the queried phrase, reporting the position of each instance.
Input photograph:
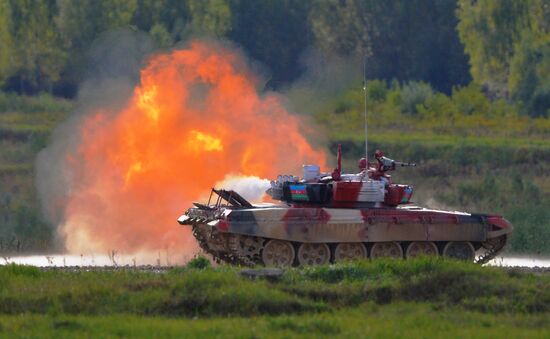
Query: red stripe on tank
(347, 191)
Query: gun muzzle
(405, 164)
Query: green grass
(403, 320)
(446, 140)
(222, 291)
(415, 298)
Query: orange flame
(195, 118)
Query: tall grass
(223, 291)
(400, 320)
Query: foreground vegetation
(222, 291)
(402, 320)
(402, 298)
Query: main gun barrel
(405, 164)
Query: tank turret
(371, 187)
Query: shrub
(469, 100)
(413, 94)
(377, 90)
(438, 105)
(199, 262)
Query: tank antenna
(365, 90)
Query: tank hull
(239, 235)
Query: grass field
(402, 320)
(418, 298)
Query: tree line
(501, 45)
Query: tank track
(492, 248)
(208, 242)
(224, 247)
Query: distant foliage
(10, 102)
(508, 43)
(211, 17)
(407, 40)
(45, 43)
(503, 45)
(416, 106)
(377, 90)
(414, 94)
(7, 52)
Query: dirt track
(523, 269)
(164, 269)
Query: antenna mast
(365, 90)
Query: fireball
(195, 117)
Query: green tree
(342, 26)
(274, 32)
(403, 39)
(209, 17)
(508, 43)
(79, 23)
(490, 30)
(40, 59)
(161, 36)
(7, 51)
(165, 20)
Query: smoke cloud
(113, 71)
(326, 77)
(251, 188)
(154, 132)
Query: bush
(199, 262)
(437, 106)
(377, 90)
(470, 100)
(413, 94)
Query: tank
(333, 217)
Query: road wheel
(313, 254)
(349, 251)
(418, 248)
(463, 250)
(390, 249)
(278, 253)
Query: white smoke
(250, 187)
